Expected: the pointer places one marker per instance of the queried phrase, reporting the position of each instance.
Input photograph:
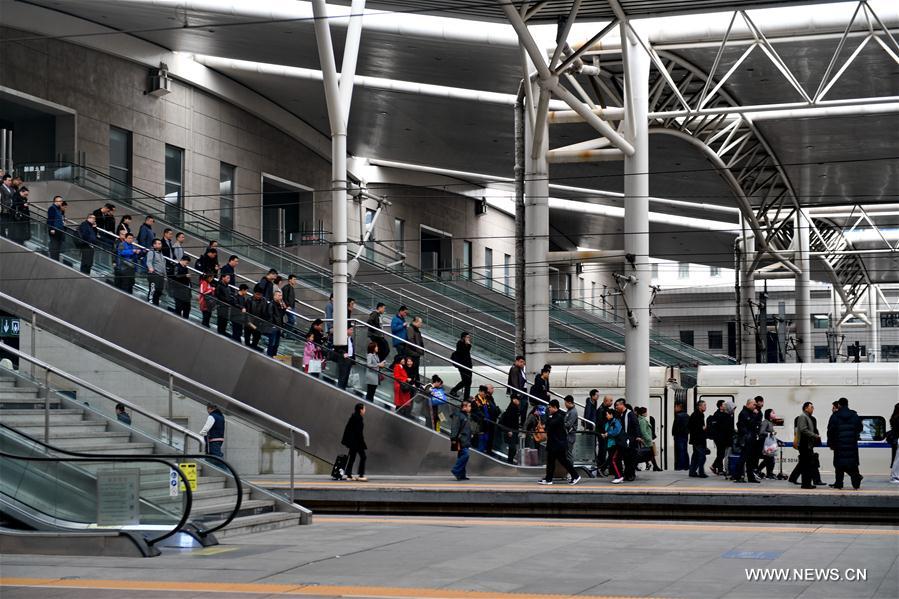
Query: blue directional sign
(9, 326)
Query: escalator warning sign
(174, 481)
(189, 469)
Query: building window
(683, 270)
(889, 352)
(686, 337)
(821, 352)
(716, 340)
(821, 322)
(655, 270)
(715, 271)
(120, 163)
(399, 234)
(507, 273)
(488, 267)
(174, 177)
(226, 196)
(466, 260)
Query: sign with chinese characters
(118, 497)
(189, 469)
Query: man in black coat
(354, 441)
(518, 381)
(748, 423)
(720, 429)
(630, 432)
(698, 440)
(843, 430)
(557, 445)
(87, 233)
(509, 425)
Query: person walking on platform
(557, 445)
(720, 427)
(893, 433)
(748, 423)
(214, 430)
(681, 433)
(460, 439)
(611, 432)
(813, 461)
(602, 448)
(354, 440)
(806, 437)
(630, 432)
(571, 423)
(508, 426)
(843, 430)
(698, 440)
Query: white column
(803, 294)
(636, 219)
(536, 245)
(874, 329)
(747, 295)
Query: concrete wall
(105, 90)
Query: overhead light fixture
(159, 83)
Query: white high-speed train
(872, 391)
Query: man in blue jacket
(56, 227)
(214, 430)
(398, 329)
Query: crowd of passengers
(532, 429)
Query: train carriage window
(874, 428)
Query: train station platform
(454, 557)
(669, 495)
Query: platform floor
(666, 495)
(487, 558)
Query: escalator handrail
(76, 457)
(104, 394)
(122, 457)
(234, 403)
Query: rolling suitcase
(733, 464)
(339, 469)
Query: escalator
(448, 306)
(86, 503)
(59, 299)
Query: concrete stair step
(30, 416)
(74, 441)
(219, 510)
(258, 523)
(62, 429)
(141, 449)
(202, 498)
(151, 481)
(16, 392)
(23, 401)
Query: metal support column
(536, 243)
(803, 295)
(636, 218)
(874, 327)
(519, 221)
(338, 95)
(747, 297)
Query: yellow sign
(189, 469)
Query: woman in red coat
(402, 388)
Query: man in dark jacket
(462, 356)
(806, 435)
(214, 430)
(748, 423)
(56, 227)
(557, 445)
(375, 333)
(460, 435)
(259, 318)
(590, 407)
(224, 299)
(354, 440)
(180, 288)
(230, 267)
(518, 381)
(843, 430)
(239, 312)
(540, 388)
(168, 250)
(416, 341)
(602, 450)
(267, 284)
(87, 233)
(720, 427)
(681, 432)
(145, 234)
(630, 432)
(697, 430)
(289, 295)
(105, 216)
(208, 262)
(508, 427)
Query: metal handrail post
(46, 405)
(292, 459)
(171, 394)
